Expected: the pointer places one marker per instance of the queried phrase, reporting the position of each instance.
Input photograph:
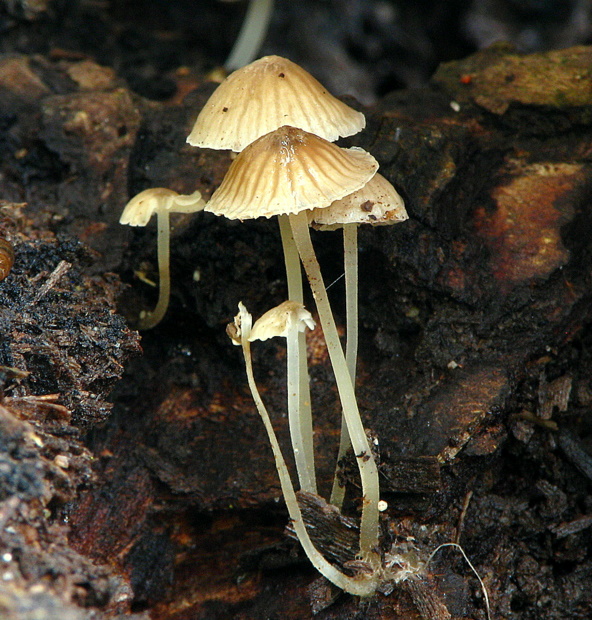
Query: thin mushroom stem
(362, 451)
(365, 586)
(251, 35)
(350, 262)
(150, 319)
(299, 403)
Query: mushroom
(289, 171)
(288, 320)
(264, 95)
(377, 203)
(363, 584)
(138, 212)
(251, 35)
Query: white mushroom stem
(251, 35)
(151, 319)
(364, 586)
(364, 458)
(299, 403)
(350, 261)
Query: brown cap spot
(375, 203)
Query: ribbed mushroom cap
(140, 208)
(265, 95)
(287, 171)
(279, 320)
(377, 203)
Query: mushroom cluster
(282, 123)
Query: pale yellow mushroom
(267, 94)
(138, 212)
(377, 203)
(363, 584)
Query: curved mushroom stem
(350, 261)
(364, 586)
(251, 35)
(364, 458)
(151, 319)
(299, 404)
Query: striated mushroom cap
(140, 208)
(287, 171)
(377, 203)
(279, 320)
(264, 95)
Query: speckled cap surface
(265, 95)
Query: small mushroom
(288, 171)
(267, 94)
(363, 584)
(138, 212)
(377, 203)
(288, 320)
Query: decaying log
(474, 324)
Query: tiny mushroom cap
(280, 320)
(264, 95)
(377, 203)
(138, 212)
(288, 171)
(141, 207)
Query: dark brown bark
(474, 358)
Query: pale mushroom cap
(142, 206)
(377, 203)
(287, 171)
(279, 320)
(265, 95)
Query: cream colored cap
(280, 320)
(377, 203)
(265, 95)
(287, 171)
(140, 208)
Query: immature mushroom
(363, 584)
(288, 320)
(290, 171)
(138, 212)
(377, 204)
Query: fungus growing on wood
(138, 212)
(364, 583)
(290, 171)
(377, 203)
